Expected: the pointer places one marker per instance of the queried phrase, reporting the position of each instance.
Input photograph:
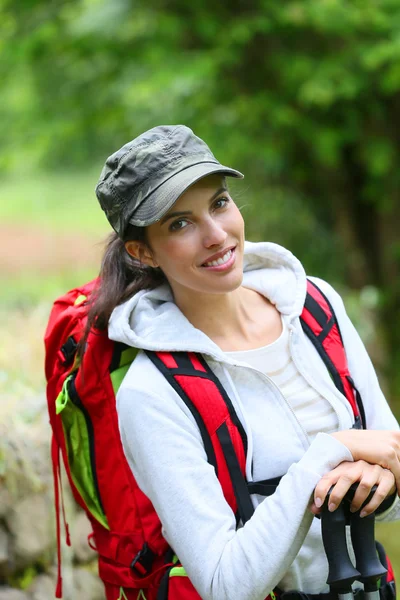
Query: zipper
(76, 400)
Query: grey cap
(140, 182)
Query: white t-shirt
(313, 411)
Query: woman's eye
(221, 202)
(177, 225)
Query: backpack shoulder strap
(320, 324)
(223, 435)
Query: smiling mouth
(220, 261)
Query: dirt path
(24, 248)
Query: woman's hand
(376, 447)
(344, 476)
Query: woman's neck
(239, 320)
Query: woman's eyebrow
(181, 213)
(184, 213)
(218, 192)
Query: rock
(80, 529)
(78, 582)
(7, 593)
(31, 524)
(5, 501)
(88, 585)
(42, 588)
(5, 554)
(25, 450)
(67, 574)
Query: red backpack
(135, 561)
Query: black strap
(184, 363)
(326, 329)
(243, 500)
(267, 487)
(316, 310)
(162, 592)
(119, 348)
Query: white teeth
(220, 261)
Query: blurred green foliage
(302, 96)
(53, 201)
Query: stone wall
(28, 555)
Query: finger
(314, 509)
(339, 490)
(370, 477)
(330, 479)
(383, 490)
(321, 490)
(363, 491)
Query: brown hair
(121, 277)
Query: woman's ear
(141, 252)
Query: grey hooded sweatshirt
(281, 544)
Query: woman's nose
(214, 234)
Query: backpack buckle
(68, 350)
(143, 561)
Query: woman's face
(199, 243)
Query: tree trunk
(371, 236)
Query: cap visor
(153, 209)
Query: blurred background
(302, 96)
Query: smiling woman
(234, 416)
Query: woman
(180, 277)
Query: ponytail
(121, 277)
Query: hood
(150, 320)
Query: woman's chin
(229, 283)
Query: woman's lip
(217, 255)
(225, 266)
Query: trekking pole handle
(363, 541)
(341, 570)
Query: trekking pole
(341, 570)
(367, 562)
